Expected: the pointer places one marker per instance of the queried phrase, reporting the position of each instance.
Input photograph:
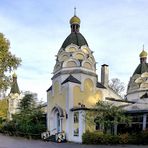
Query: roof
(79, 108)
(143, 54)
(50, 88)
(71, 79)
(142, 67)
(144, 96)
(75, 19)
(118, 100)
(99, 85)
(75, 38)
(136, 111)
(14, 86)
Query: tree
(117, 86)
(30, 118)
(8, 62)
(3, 108)
(27, 103)
(107, 115)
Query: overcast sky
(114, 29)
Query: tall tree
(117, 86)
(8, 62)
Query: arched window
(71, 64)
(87, 65)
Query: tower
(75, 87)
(14, 97)
(138, 84)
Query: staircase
(51, 138)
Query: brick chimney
(104, 74)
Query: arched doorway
(56, 120)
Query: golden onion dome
(143, 54)
(14, 75)
(75, 20)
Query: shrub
(144, 137)
(92, 137)
(99, 138)
(124, 138)
(1, 128)
(111, 139)
(9, 127)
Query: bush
(111, 139)
(1, 128)
(126, 138)
(9, 127)
(144, 137)
(134, 138)
(99, 138)
(92, 137)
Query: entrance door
(58, 123)
(56, 118)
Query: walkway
(16, 142)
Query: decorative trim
(73, 71)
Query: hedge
(126, 138)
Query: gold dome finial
(14, 75)
(143, 54)
(75, 19)
(74, 11)
(143, 46)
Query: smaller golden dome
(14, 75)
(143, 54)
(75, 20)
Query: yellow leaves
(8, 61)
(3, 108)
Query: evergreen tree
(27, 103)
(30, 119)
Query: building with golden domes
(14, 97)
(75, 86)
(137, 94)
(138, 83)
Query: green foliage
(8, 62)
(108, 115)
(126, 138)
(139, 138)
(27, 103)
(92, 138)
(3, 108)
(29, 121)
(9, 127)
(99, 138)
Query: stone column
(81, 124)
(144, 122)
(115, 129)
(61, 124)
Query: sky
(114, 29)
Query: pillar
(144, 122)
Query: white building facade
(75, 87)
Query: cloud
(114, 30)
